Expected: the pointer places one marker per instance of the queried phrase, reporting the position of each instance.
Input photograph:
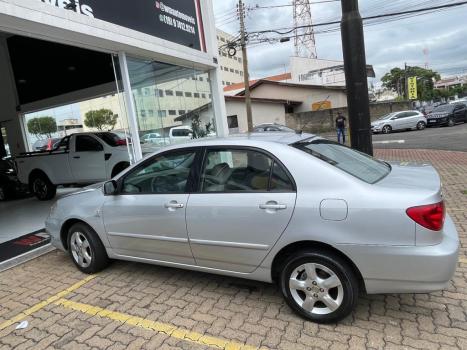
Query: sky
(438, 38)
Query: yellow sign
(321, 105)
(412, 86)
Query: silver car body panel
(397, 123)
(230, 234)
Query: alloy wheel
(386, 129)
(81, 249)
(316, 289)
(421, 126)
(451, 122)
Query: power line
(393, 14)
(289, 5)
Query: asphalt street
(442, 138)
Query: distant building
(451, 82)
(231, 67)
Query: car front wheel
(451, 122)
(319, 286)
(386, 129)
(86, 249)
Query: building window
(181, 112)
(169, 93)
(231, 70)
(223, 82)
(236, 71)
(193, 78)
(224, 54)
(234, 57)
(203, 95)
(188, 94)
(179, 93)
(172, 112)
(159, 93)
(196, 95)
(147, 91)
(239, 60)
(227, 82)
(223, 39)
(162, 114)
(151, 113)
(232, 121)
(143, 113)
(241, 73)
(200, 78)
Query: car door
(244, 202)
(146, 219)
(412, 119)
(459, 113)
(87, 159)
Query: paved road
(449, 139)
(136, 306)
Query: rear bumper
(407, 269)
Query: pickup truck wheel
(119, 168)
(42, 188)
(86, 249)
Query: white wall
(9, 118)
(306, 95)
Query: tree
(102, 119)
(396, 80)
(42, 126)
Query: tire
(42, 188)
(340, 299)
(387, 129)
(451, 122)
(421, 125)
(86, 249)
(4, 195)
(119, 168)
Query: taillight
(49, 145)
(121, 142)
(430, 216)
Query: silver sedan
(321, 220)
(405, 120)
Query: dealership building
(55, 54)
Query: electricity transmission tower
(305, 44)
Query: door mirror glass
(110, 188)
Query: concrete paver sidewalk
(136, 306)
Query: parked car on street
(45, 144)
(10, 186)
(322, 220)
(448, 114)
(405, 120)
(153, 137)
(272, 127)
(180, 134)
(82, 158)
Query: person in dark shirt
(340, 127)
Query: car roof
(249, 139)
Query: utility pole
(406, 83)
(246, 75)
(353, 45)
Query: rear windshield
(355, 163)
(109, 138)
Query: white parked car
(82, 158)
(154, 138)
(405, 120)
(180, 134)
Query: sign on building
(412, 87)
(173, 20)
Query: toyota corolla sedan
(323, 221)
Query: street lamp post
(353, 45)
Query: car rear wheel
(386, 129)
(319, 286)
(451, 122)
(42, 188)
(86, 249)
(421, 125)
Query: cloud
(388, 45)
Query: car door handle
(271, 206)
(174, 205)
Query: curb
(20, 259)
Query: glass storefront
(173, 103)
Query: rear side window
(85, 143)
(355, 163)
(109, 138)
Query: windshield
(387, 116)
(443, 108)
(355, 163)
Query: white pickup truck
(81, 159)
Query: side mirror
(110, 188)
